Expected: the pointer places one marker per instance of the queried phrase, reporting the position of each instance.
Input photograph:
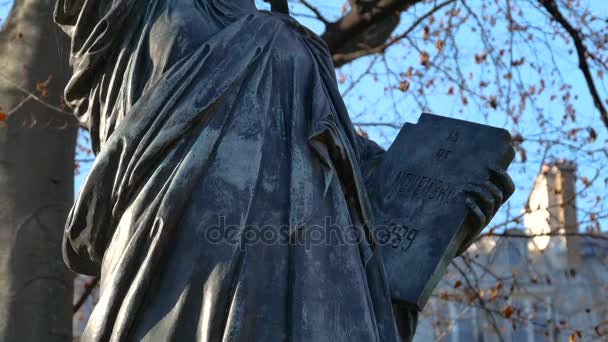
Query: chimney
(552, 206)
(565, 211)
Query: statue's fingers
(483, 198)
(496, 194)
(476, 214)
(501, 178)
(479, 220)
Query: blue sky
(370, 101)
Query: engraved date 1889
(397, 236)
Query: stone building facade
(553, 287)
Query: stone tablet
(419, 205)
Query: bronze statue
(223, 148)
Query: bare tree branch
(343, 58)
(530, 236)
(32, 96)
(377, 124)
(88, 289)
(316, 11)
(582, 53)
(367, 26)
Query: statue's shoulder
(288, 27)
(284, 23)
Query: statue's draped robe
(207, 114)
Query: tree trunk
(36, 177)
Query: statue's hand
(483, 201)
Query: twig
(316, 11)
(374, 124)
(530, 236)
(480, 300)
(355, 82)
(32, 96)
(88, 289)
(581, 51)
(347, 57)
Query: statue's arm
(370, 154)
